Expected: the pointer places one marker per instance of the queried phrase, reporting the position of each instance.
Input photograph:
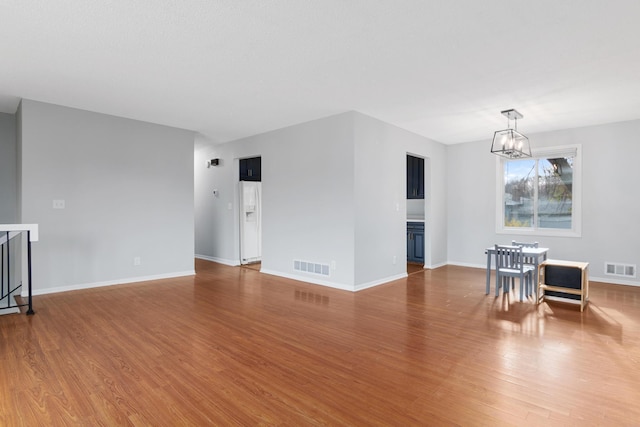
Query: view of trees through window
(538, 193)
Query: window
(540, 195)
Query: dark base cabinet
(415, 242)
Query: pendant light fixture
(509, 142)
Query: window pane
(555, 187)
(519, 179)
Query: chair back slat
(509, 257)
(510, 263)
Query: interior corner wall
(204, 203)
(334, 192)
(380, 195)
(127, 187)
(307, 193)
(9, 193)
(471, 203)
(436, 209)
(609, 206)
(8, 169)
(380, 207)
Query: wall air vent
(620, 270)
(311, 267)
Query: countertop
(415, 219)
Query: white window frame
(576, 197)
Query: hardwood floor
(232, 346)
(414, 268)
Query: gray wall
(9, 189)
(8, 169)
(307, 184)
(610, 205)
(308, 197)
(128, 190)
(330, 191)
(380, 210)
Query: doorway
(250, 208)
(415, 221)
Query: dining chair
(527, 259)
(509, 265)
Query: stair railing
(9, 246)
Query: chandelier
(509, 142)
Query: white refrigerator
(250, 222)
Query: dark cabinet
(251, 169)
(415, 242)
(415, 177)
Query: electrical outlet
(137, 261)
(58, 204)
(395, 259)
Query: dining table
(536, 254)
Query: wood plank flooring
(232, 346)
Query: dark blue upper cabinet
(251, 169)
(415, 177)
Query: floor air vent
(621, 270)
(311, 267)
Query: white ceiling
(230, 68)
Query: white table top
(525, 250)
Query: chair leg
(531, 284)
(522, 280)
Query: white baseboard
(434, 266)
(108, 283)
(230, 262)
(380, 282)
(308, 279)
(613, 281)
(334, 285)
(13, 302)
(464, 264)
